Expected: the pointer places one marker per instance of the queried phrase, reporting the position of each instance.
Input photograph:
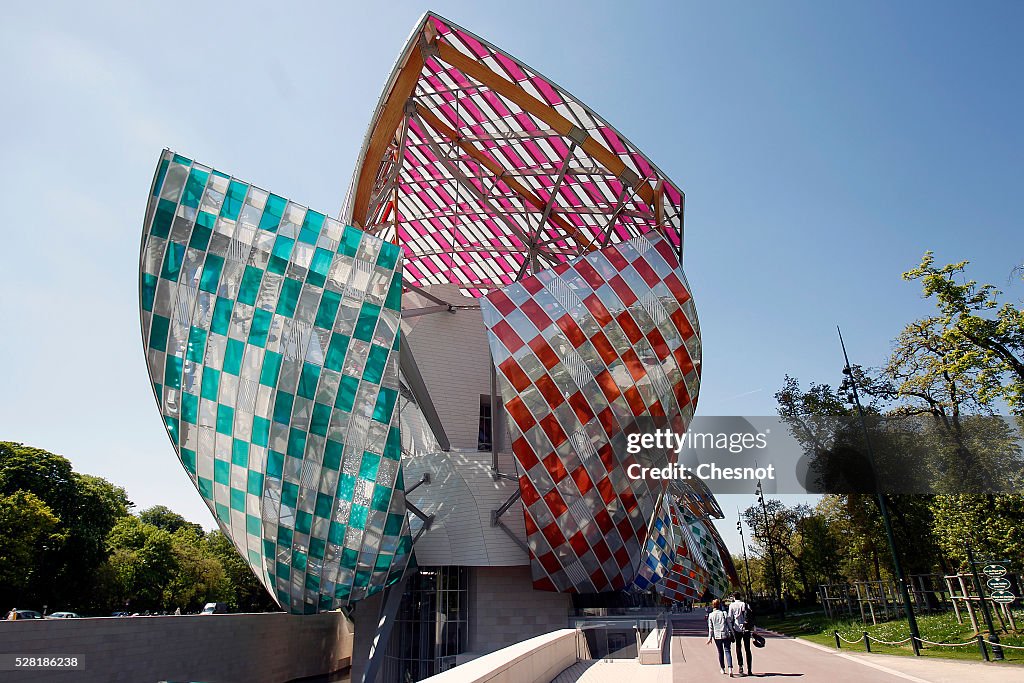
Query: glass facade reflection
(432, 625)
(271, 341)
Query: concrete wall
(452, 354)
(537, 660)
(505, 609)
(220, 648)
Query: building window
(483, 442)
(432, 625)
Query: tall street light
(915, 635)
(743, 542)
(771, 547)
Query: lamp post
(771, 548)
(915, 635)
(743, 542)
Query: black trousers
(743, 640)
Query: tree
(27, 527)
(247, 594)
(162, 517)
(985, 334)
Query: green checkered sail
(271, 338)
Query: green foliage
(67, 540)
(27, 527)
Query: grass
(939, 628)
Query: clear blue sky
(822, 146)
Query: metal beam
(415, 382)
(391, 113)
(385, 623)
(543, 111)
(494, 167)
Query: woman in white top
(720, 630)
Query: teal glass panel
(284, 537)
(280, 254)
(303, 521)
(296, 442)
(194, 187)
(238, 500)
(161, 173)
(202, 230)
(221, 472)
(357, 516)
(311, 227)
(148, 291)
(275, 464)
(234, 199)
(289, 494)
(393, 447)
(319, 267)
(189, 408)
(376, 361)
(349, 557)
(184, 161)
(211, 383)
(393, 301)
(158, 332)
(233, 356)
(271, 369)
(290, 290)
(250, 285)
(272, 213)
(308, 380)
(323, 506)
(388, 255)
(393, 525)
(253, 527)
(350, 241)
(205, 488)
(316, 548)
(332, 455)
(173, 258)
(196, 344)
(225, 419)
(221, 316)
(172, 428)
(385, 405)
(335, 357)
(320, 419)
(254, 485)
(260, 327)
(381, 498)
(260, 431)
(188, 459)
(336, 533)
(283, 407)
(163, 217)
(211, 273)
(298, 557)
(366, 322)
(346, 393)
(346, 486)
(172, 372)
(368, 469)
(328, 310)
(240, 453)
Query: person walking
(743, 628)
(720, 631)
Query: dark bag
(758, 640)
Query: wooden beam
(439, 126)
(391, 115)
(541, 110)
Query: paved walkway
(805, 662)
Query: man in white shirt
(743, 626)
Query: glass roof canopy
(485, 171)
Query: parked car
(28, 614)
(215, 608)
(64, 615)
(120, 614)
